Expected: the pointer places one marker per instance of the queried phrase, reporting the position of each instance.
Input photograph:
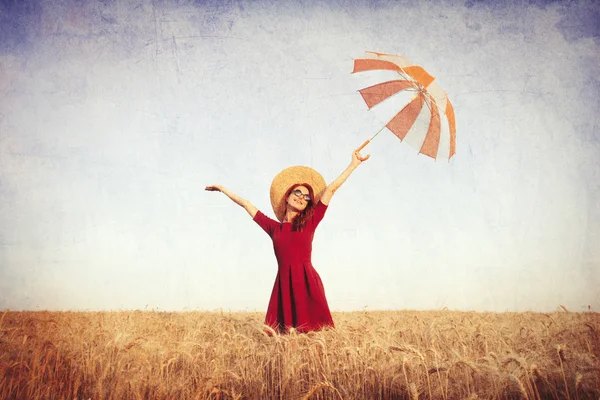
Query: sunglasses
(298, 193)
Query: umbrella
(429, 102)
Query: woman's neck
(290, 215)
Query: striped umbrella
(416, 122)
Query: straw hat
(297, 175)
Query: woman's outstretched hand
(357, 159)
(235, 198)
(214, 188)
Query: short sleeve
(319, 213)
(269, 225)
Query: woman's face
(299, 198)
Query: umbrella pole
(366, 143)
(369, 140)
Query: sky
(115, 115)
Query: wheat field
(370, 355)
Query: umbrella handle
(360, 148)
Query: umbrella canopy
(428, 98)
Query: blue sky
(114, 116)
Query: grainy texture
(374, 355)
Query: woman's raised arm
(235, 198)
(337, 183)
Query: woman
(299, 197)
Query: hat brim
(289, 177)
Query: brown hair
(306, 214)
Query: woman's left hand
(357, 159)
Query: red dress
(298, 297)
